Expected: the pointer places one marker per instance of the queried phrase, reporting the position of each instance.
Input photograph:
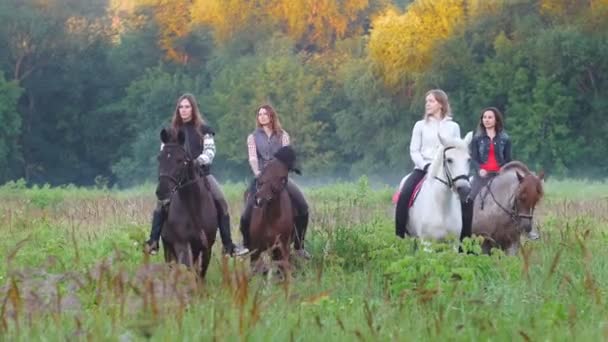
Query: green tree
(273, 75)
(149, 106)
(10, 128)
(373, 129)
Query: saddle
(415, 193)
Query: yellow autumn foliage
(402, 44)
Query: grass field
(73, 270)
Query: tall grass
(73, 269)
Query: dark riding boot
(467, 220)
(402, 213)
(229, 247)
(301, 223)
(158, 219)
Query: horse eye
(450, 160)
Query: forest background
(85, 86)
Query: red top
(491, 165)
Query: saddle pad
(415, 192)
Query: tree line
(85, 86)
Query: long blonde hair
(441, 97)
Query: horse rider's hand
(257, 175)
(483, 173)
(201, 160)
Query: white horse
(436, 212)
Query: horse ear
(519, 176)
(181, 137)
(541, 175)
(165, 136)
(468, 138)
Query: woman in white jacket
(424, 144)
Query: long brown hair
(275, 123)
(197, 120)
(497, 115)
(441, 97)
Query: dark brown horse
(272, 217)
(504, 208)
(190, 229)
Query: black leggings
(478, 183)
(402, 210)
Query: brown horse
(504, 208)
(272, 217)
(190, 229)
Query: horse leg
(205, 255)
(426, 246)
(168, 251)
(200, 255)
(280, 256)
(486, 246)
(513, 248)
(184, 254)
(256, 264)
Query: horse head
(175, 168)
(529, 192)
(452, 164)
(273, 178)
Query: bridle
(274, 191)
(513, 213)
(181, 180)
(449, 182)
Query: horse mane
(515, 165)
(287, 156)
(529, 176)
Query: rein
(181, 181)
(513, 213)
(448, 175)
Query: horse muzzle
(534, 234)
(528, 228)
(463, 192)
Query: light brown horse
(504, 208)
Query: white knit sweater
(425, 140)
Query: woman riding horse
(424, 145)
(262, 144)
(200, 146)
(490, 149)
